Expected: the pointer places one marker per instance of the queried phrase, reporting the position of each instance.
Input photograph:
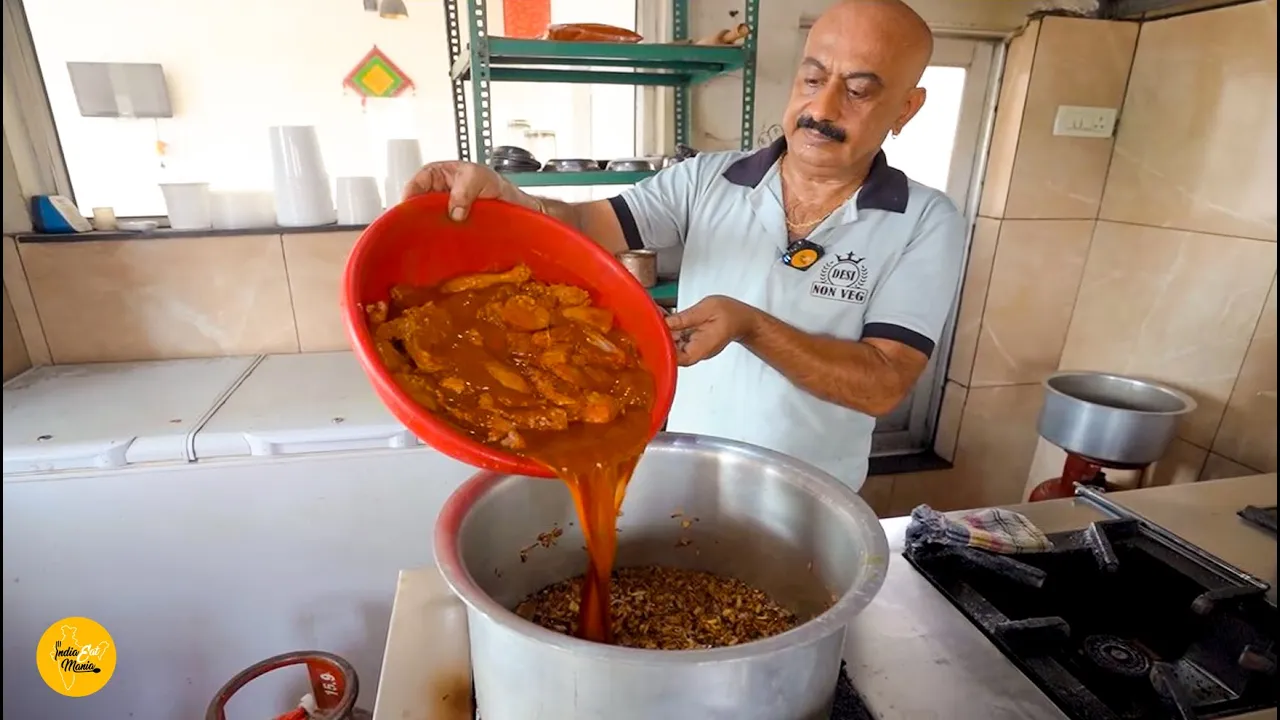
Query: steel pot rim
(1188, 402)
(827, 488)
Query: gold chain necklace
(797, 226)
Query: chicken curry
(538, 370)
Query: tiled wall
(1180, 280)
(1029, 249)
(177, 297)
(1153, 255)
(15, 350)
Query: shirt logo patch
(843, 278)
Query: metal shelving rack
(677, 65)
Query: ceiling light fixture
(371, 5)
(393, 9)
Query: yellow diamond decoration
(377, 76)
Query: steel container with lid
(776, 523)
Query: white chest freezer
(209, 514)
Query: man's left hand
(705, 329)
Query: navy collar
(885, 188)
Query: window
(923, 150)
(236, 67)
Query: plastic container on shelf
(241, 209)
(302, 192)
(358, 200)
(187, 205)
(404, 158)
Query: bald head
(857, 82)
(892, 24)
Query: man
(815, 279)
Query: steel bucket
(779, 524)
(1117, 420)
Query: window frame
(29, 133)
(983, 58)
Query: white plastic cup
(187, 205)
(404, 159)
(302, 192)
(242, 209)
(358, 200)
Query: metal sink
(1116, 420)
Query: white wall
(235, 67)
(716, 107)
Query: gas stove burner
(1116, 656)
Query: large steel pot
(772, 521)
(1111, 418)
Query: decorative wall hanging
(377, 77)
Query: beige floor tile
(1008, 121)
(1174, 306)
(1182, 463)
(315, 263)
(24, 305)
(161, 298)
(1078, 61)
(1248, 430)
(1193, 77)
(15, 350)
(1217, 467)
(949, 416)
(973, 299)
(1030, 298)
(877, 491)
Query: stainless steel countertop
(914, 656)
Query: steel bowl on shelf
(631, 165)
(511, 152)
(509, 158)
(772, 521)
(505, 165)
(1111, 418)
(570, 165)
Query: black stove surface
(1117, 623)
(1264, 517)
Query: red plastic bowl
(415, 242)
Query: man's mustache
(826, 128)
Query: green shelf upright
(678, 65)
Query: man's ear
(915, 101)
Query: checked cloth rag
(992, 529)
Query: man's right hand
(465, 182)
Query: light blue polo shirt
(890, 268)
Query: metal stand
(678, 65)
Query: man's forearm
(567, 213)
(854, 374)
(600, 225)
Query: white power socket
(1089, 122)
